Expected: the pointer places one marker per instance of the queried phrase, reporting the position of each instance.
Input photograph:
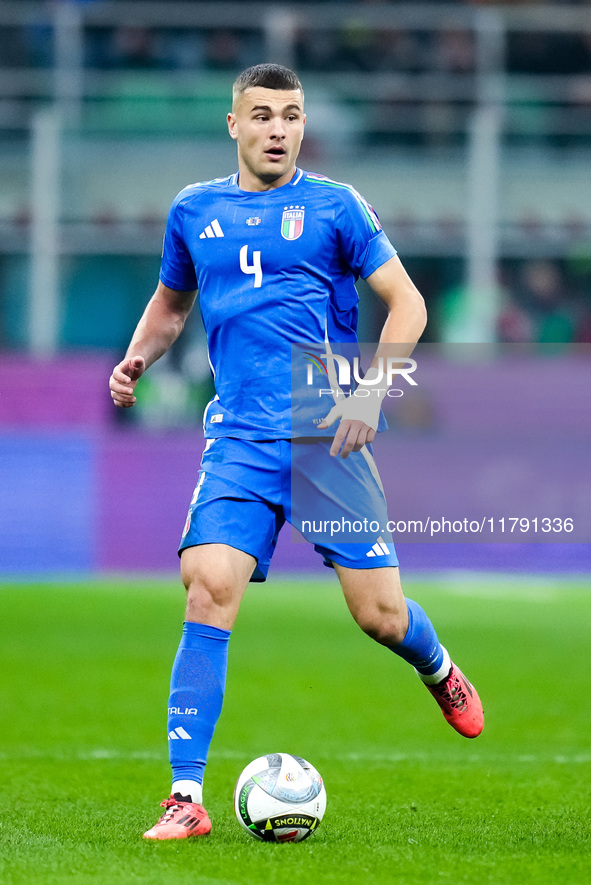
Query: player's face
(268, 125)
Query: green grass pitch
(84, 685)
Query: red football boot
(180, 820)
(459, 703)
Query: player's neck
(248, 181)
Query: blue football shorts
(247, 490)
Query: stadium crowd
(351, 47)
(542, 300)
(546, 302)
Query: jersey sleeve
(362, 241)
(177, 270)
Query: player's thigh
(376, 601)
(215, 576)
(237, 500)
(339, 506)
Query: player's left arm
(407, 315)
(402, 329)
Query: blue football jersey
(273, 269)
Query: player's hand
(123, 380)
(358, 417)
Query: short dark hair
(269, 76)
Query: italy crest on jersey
(292, 222)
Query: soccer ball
(280, 798)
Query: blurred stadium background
(467, 125)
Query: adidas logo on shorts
(378, 549)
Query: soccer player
(274, 252)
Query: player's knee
(386, 628)
(205, 591)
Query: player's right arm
(161, 324)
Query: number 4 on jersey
(254, 268)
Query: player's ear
(232, 125)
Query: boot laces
(452, 692)
(172, 805)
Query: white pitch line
(103, 754)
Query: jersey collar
(295, 180)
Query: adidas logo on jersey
(212, 230)
(179, 734)
(378, 549)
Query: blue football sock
(421, 647)
(196, 694)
